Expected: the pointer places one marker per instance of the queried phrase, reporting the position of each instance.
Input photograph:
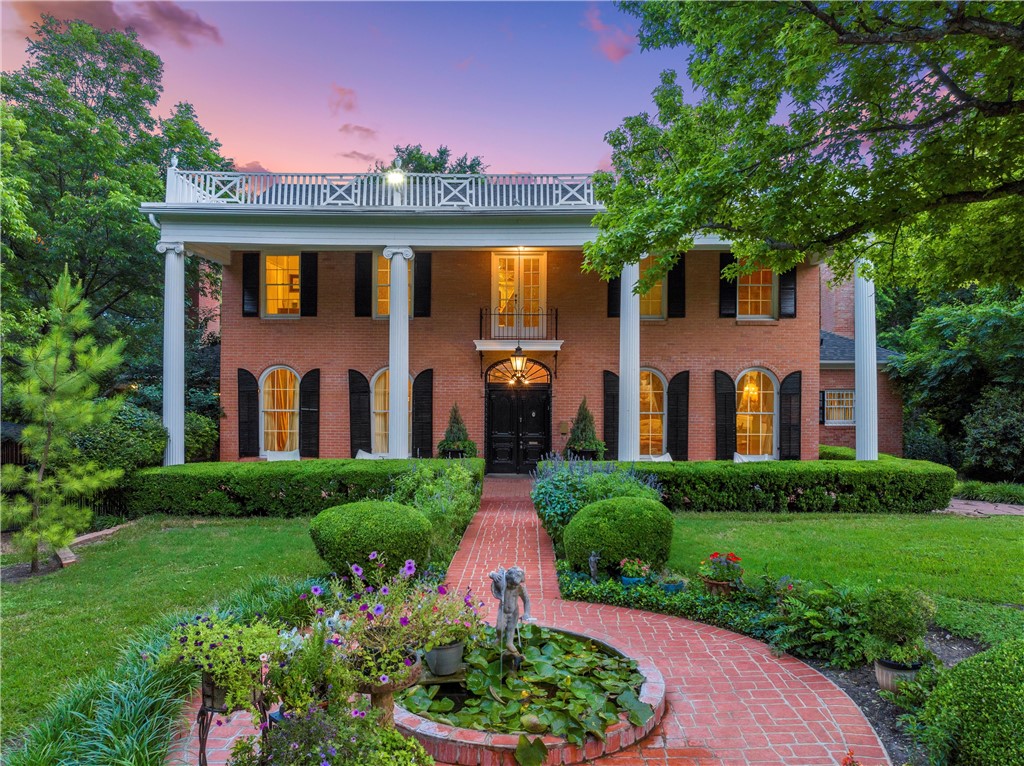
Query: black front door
(518, 427)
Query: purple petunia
(302, 596)
(363, 607)
(316, 590)
(384, 590)
(378, 610)
(403, 621)
(410, 568)
(373, 555)
(408, 662)
(355, 713)
(384, 679)
(357, 570)
(442, 590)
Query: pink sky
(329, 86)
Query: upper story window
(382, 287)
(652, 303)
(652, 413)
(756, 295)
(755, 415)
(281, 295)
(519, 291)
(839, 408)
(280, 403)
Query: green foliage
(133, 438)
(567, 686)
(562, 487)
(888, 485)
(456, 437)
(922, 440)
(448, 495)
(286, 488)
(201, 436)
(825, 623)
(973, 715)
(619, 528)
(348, 534)
(58, 393)
(1002, 492)
(993, 444)
(886, 132)
(898, 614)
(583, 434)
(414, 160)
(985, 622)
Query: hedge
(349, 534)
(619, 528)
(286, 488)
(888, 485)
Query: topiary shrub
(993, 444)
(619, 528)
(133, 438)
(898, 614)
(348, 534)
(583, 434)
(456, 437)
(974, 715)
(201, 435)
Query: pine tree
(583, 434)
(58, 393)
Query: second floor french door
(519, 295)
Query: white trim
(737, 457)
(519, 254)
(510, 345)
(853, 406)
(298, 408)
(755, 317)
(263, 286)
(832, 364)
(664, 409)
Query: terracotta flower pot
(721, 588)
(888, 673)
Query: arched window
(379, 409)
(755, 414)
(279, 399)
(652, 413)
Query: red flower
(715, 555)
(733, 557)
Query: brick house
(470, 289)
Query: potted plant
(456, 442)
(897, 620)
(232, 657)
(451, 621)
(633, 571)
(720, 574)
(671, 581)
(583, 442)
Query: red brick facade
(335, 341)
(890, 413)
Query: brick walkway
(730, 702)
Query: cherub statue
(594, 558)
(508, 586)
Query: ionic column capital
(402, 251)
(175, 247)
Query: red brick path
(730, 702)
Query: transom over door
(519, 295)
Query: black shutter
(364, 285)
(787, 294)
(308, 284)
(677, 288)
(789, 417)
(725, 416)
(250, 284)
(359, 412)
(726, 289)
(309, 414)
(611, 415)
(423, 414)
(678, 442)
(248, 414)
(614, 297)
(421, 286)
(821, 406)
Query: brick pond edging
(469, 747)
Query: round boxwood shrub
(619, 528)
(898, 614)
(348, 534)
(973, 717)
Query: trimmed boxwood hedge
(348, 534)
(287, 488)
(888, 485)
(619, 528)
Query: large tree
(892, 132)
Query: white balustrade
(377, 190)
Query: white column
(398, 352)
(174, 350)
(865, 366)
(629, 364)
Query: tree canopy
(415, 160)
(892, 132)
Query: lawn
(954, 558)
(65, 625)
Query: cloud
(152, 20)
(361, 156)
(606, 163)
(465, 64)
(251, 167)
(342, 98)
(613, 43)
(359, 131)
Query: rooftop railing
(381, 190)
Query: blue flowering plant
(234, 654)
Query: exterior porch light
(396, 176)
(518, 362)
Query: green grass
(66, 625)
(970, 565)
(997, 492)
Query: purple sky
(331, 86)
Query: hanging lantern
(518, 362)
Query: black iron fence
(517, 324)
